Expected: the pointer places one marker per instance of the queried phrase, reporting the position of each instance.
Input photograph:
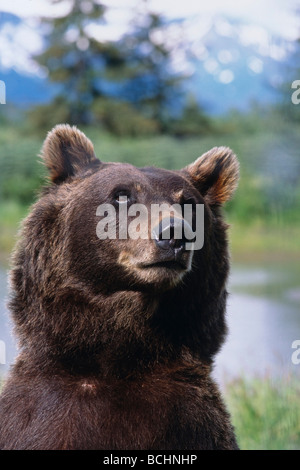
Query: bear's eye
(122, 196)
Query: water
(263, 316)
(264, 320)
(7, 342)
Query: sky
(261, 21)
(276, 16)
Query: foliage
(153, 83)
(96, 79)
(192, 121)
(270, 169)
(76, 61)
(265, 412)
(264, 213)
(44, 117)
(11, 215)
(20, 173)
(122, 119)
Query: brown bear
(117, 336)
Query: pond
(263, 317)
(263, 314)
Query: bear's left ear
(67, 151)
(215, 174)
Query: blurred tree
(128, 87)
(122, 119)
(152, 83)
(192, 122)
(76, 61)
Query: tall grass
(264, 212)
(11, 214)
(265, 412)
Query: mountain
(230, 66)
(26, 90)
(24, 86)
(229, 74)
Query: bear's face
(119, 214)
(121, 221)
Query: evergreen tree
(193, 121)
(127, 87)
(152, 84)
(77, 62)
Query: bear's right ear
(67, 151)
(215, 174)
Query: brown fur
(65, 151)
(114, 354)
(216, 172)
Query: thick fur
(113, 357)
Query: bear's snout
(171, 236)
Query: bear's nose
(170, 234)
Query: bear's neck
(112, 334)
(119, 333)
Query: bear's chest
(94, 415)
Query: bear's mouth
(171, 264)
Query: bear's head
(114, 257)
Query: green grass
(265, 413)
(11, 215)
(263, 240)
(264, 213)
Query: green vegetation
(76, 62)
(264, 215)
(125, 87)
(265, 412)
(11, 215)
